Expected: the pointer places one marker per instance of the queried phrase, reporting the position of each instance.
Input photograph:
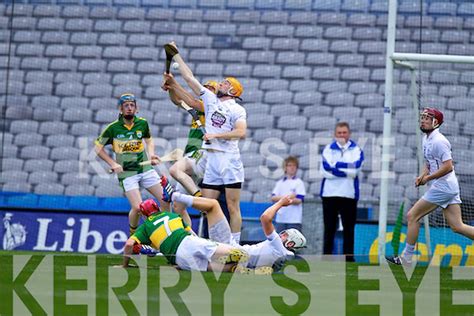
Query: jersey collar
(336, 146)
(121, 120)
(433, 133)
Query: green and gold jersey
(128, 144)
(164, 231)
(195, 135)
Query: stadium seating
(304, 64)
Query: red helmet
(148, 207)
(436, 114)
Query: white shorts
(441, 198)
(145, 179)
(197, 160)
(195, 253)
(223, 168)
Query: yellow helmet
(236, 89)
(213, 84)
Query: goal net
(445, 84)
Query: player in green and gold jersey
(132, 144)
(168, 233)
(189, 170)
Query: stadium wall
(99, 225)
(448, 248)
(31, 223)
(82, 224)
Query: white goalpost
(414, 63)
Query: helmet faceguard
(149, 207)
(235, 88)
(294, 240)
(436, 116)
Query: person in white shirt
(290, 216)
(443, 186)
(226, 124)
(264, 256)
(341, 163)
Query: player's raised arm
(177, 93)
(186, 72)
(267, 217)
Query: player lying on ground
(270, 253)
(168, 233)
(189, 170)
(443, 185)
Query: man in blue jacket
(341, 162)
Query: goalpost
(427, 73)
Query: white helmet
(295, 237)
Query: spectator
(341, 163)
(290, 216)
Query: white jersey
(437, 149)
(267, 252)
(291, 214)
(221, 117)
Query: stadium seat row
(131, 9)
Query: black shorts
(222, 187)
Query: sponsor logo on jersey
(218, 119)
(133, 146)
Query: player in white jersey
(263, 256)
(189, 170)
(443, 187)
(226, 123)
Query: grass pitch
(76, 284)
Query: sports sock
(197, 193)
(182, 198)
(408, 252)
(236, 237)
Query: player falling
(443, 187)
(167, 233)
(264, 256)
